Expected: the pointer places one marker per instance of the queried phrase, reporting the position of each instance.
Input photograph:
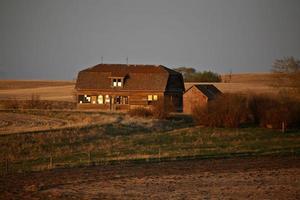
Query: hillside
(63, 90)
(245, 83)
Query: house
(122, 87)
(198, 95)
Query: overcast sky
(54, 39)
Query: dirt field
(238, 178)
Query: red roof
(136, 77)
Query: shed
(199, 95)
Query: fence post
(90, 158)
(282, 127)
(6, 165)
(159, 154)
(50, 162)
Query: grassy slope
(132, 140)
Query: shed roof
(136, 77)
(209, 90)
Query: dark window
(121, 100)
(84, 98)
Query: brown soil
(238, 178)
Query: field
(63, 90)
(237, 178)
(246, 83)
(84, 138)
(110, 155)
(46, 90)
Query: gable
(208, 90)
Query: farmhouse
(198, 95)
(122, 87)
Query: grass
(130, 139)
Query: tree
(286, 73)
(191, 75)
(205, 76)
(185, 71)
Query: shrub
(233, 110)
(161, 110)
(227, 110)
(140, 112)
(272, 111)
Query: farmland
(93, 137)
(139, 158)
(63, 90)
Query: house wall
(135, 99)
(193, 98)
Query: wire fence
(85, 159)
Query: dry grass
(261, 78)
(57, 93)
(244, 83)
(26, 84)
(37, 120)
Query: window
(121, 100)
(117, 100)
(124, 100)
(117, 82)
(84, 99)
(107, 99)
(152, 97)
(100, 99)
(94, 99)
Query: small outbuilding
(199, 95)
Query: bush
(140, 112)
(233, 110)
(161, 110)
(158, 110)
(272, 111)
(227, 110)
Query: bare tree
(286, 73)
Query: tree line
(191, 75)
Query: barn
(123, 87)
(198, 95)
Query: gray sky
(54, 39)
